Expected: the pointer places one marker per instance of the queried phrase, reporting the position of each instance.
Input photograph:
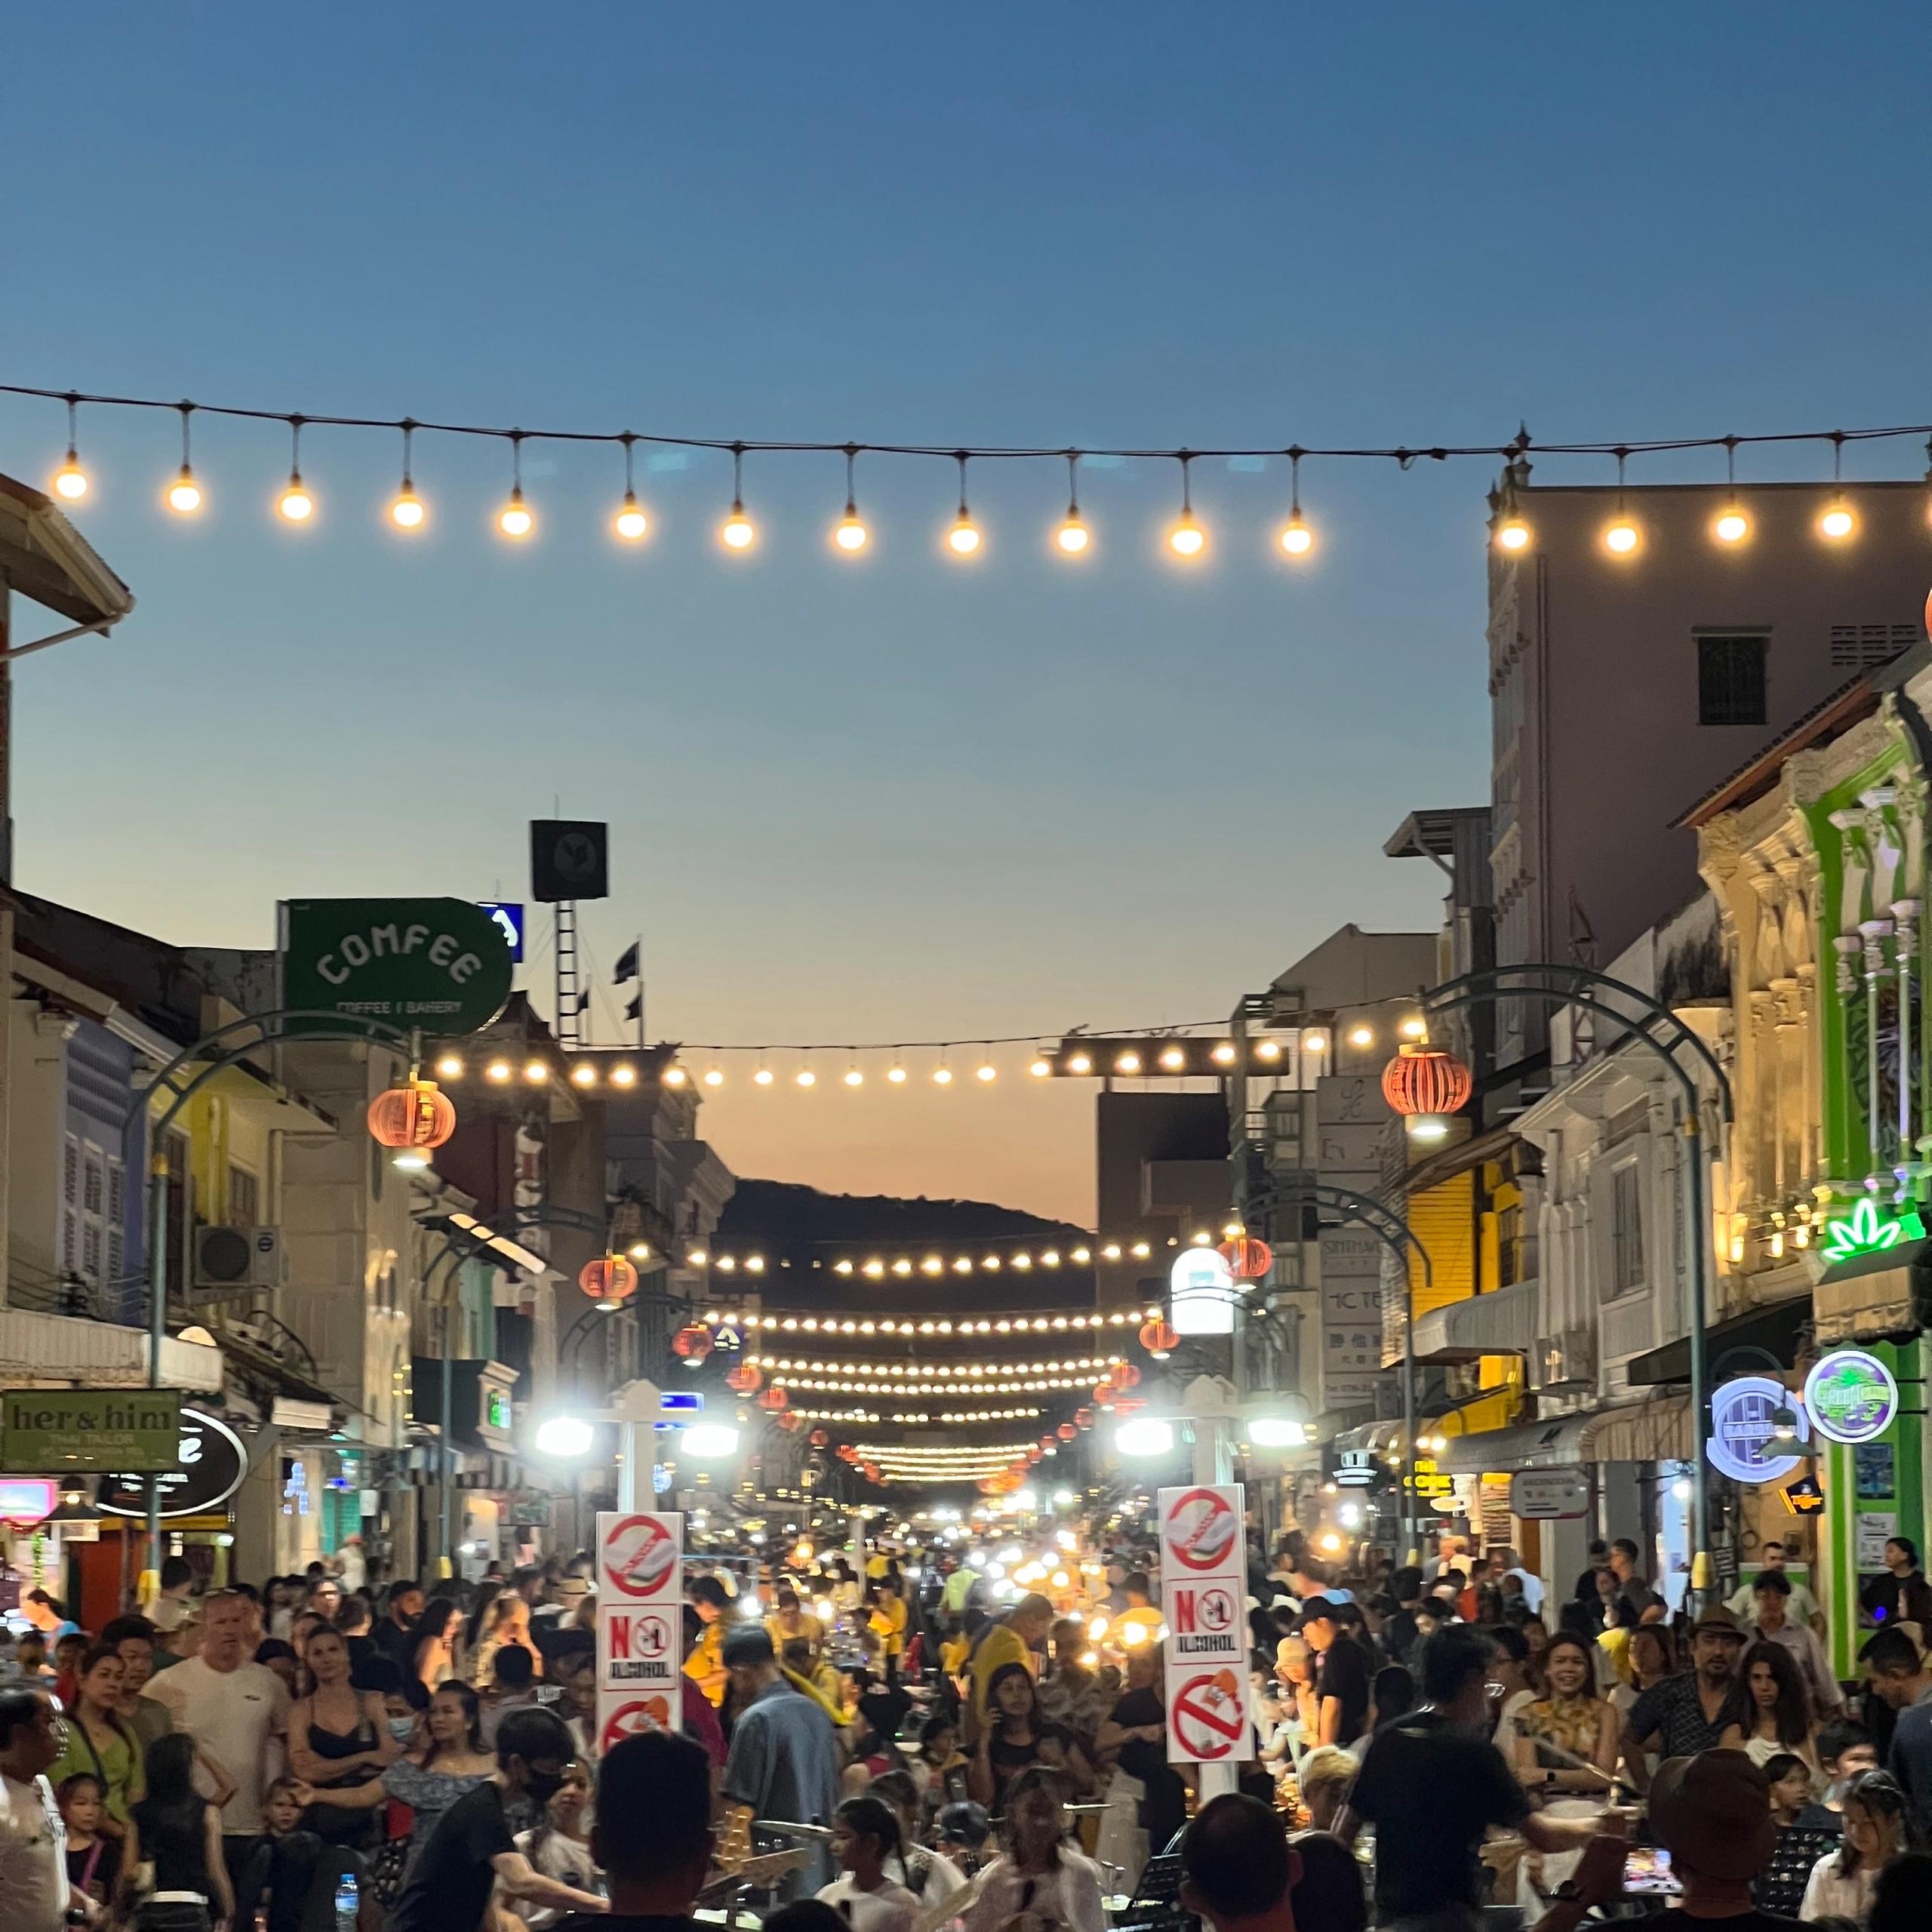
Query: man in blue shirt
(783, 1761)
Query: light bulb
(1512, 534)
(1128, 1063)
(1187, 539)
(675, 1076)
(942, 1076)
(184, 493)
(853, 1077)
(1621, 536)
(70, 480)
(763, 1077)
(807, 1078)
(295, 503)
(630, 522)
(1040, 1068)
(1296, 540)
(1073, 536)
(850, 533)
(1223, 1055)
(963, 539)
(713, 1077)
(986, 1072)
(896, 1076)
(1079, 1063)
(514, 519)
(1732, 525)
(406, 509)
(1838, 522)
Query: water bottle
(347, 1899)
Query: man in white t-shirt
(237, 1713)
(35, 1895)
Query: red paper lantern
(1426, 1080)
(417, 1114)
(819, 1437)
(610, 1278)
(1083, 1418)
(1157, 1339)
(1248, 1260)
(1126, 1375)
(744, 1379)
(1034, 1456)
(790, 1424)
(1066, 1432)
(1106, 1395)
(693, 1341)
(774, 1401)
(1127, 1405)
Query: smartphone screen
(1647, 1872)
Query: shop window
(1626, 1232)
(245, 1199)
(1731, 680)
(70, 1206)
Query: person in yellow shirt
(888, 1624)
(705, 1665)
(1012, 1639)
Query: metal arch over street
(1642, 1016)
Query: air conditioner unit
(226, 1259)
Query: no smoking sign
(1207, 1718)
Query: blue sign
(1743, 1443)
(509, 921)
(688, 1401)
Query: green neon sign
(1865, 1231)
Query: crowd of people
(963, 1734)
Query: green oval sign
(442, 965)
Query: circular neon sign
(1743, 1444)
(1851, 1396)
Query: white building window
(94, 1211)
(70, 1206)
(117, 1220)
(1626, 1231)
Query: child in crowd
(865, 1839)
(559, 1846)
(93, 1860)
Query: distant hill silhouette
(784, 1215)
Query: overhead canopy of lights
(1084, 1367)
(1186, 539)
(915, 1418)
(997, 1324)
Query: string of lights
(989, 1260)
(961, 1324)
(1187, 538)
(934, 1372)
(916, 1417)
(1032, 1385)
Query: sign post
(640, 1624)
(1204, 1586)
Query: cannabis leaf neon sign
(1865, 1231)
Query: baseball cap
(1713, 1813)
(1315, 1609)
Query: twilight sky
(900, 799)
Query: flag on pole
(583, 1001)
(635, 1010)
(626, 968)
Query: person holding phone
(1712, 1813)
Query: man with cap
(783, 1762)
(1712, 1813)
(1684, 1714)
(1341, 1673)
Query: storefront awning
(1373, 1439)
(1650, 1432)
(1502, 1322)
(1776, 1329)
(1881, 1295)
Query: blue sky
(900, 799)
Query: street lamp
(709, 1442)
(564, 1438)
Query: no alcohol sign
(640, 1629)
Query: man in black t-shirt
(1341, 1676)
(1432, 1784)
(653, 1836)
(472, 1846)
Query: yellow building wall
(1443, 1218)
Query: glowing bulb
(986, 1072)
(896, 1076)
(1080, 1064)
(1732, 525)
(630, 523)
(70, 480)
(1415, 1029)
(853, 1077)
(807, 1078)
(295, 503)
(1362, 1036)
(963, 539)
(584, 1074)
(942, 1076)
(1173, 1059)
(535, 1071)
(1073, 536)
(449, 1068)
(624, 1076)
(1128, 1063)
(1224, 1054)
(514, 519)
(1838, 522)
(675, 1076)
(1314, 1043)
(1621, 536)
(1297, 538)
(763, 1077)
(184, 493)
(738, 532)
(1187, 539)
(850, 532)
(1040, 1068)
(1512, 534)
(406, 510)
(1270, 1050)
(713, 1078)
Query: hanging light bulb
(985, 1072)
(515, 519)
(1730, 525)
(630, 523)
(1295, 539)
(1512, 533)
(295, 503)
(942, 1075)
(763, 1077)
(1073, 536)
(1839, 520)
(1621, 536)
(406, 507)
(738, 532)
(850, 532)
(853, 1077)
(962, 538)
(806, 1077)
(70, 480)
(896, 1074)
(184, 493)
(1185, 537)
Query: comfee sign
(442, 965)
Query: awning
(1776, 1329)
(1648, 1431)
(1373, 1438)
(1875, 1296)
(1501, 1323)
